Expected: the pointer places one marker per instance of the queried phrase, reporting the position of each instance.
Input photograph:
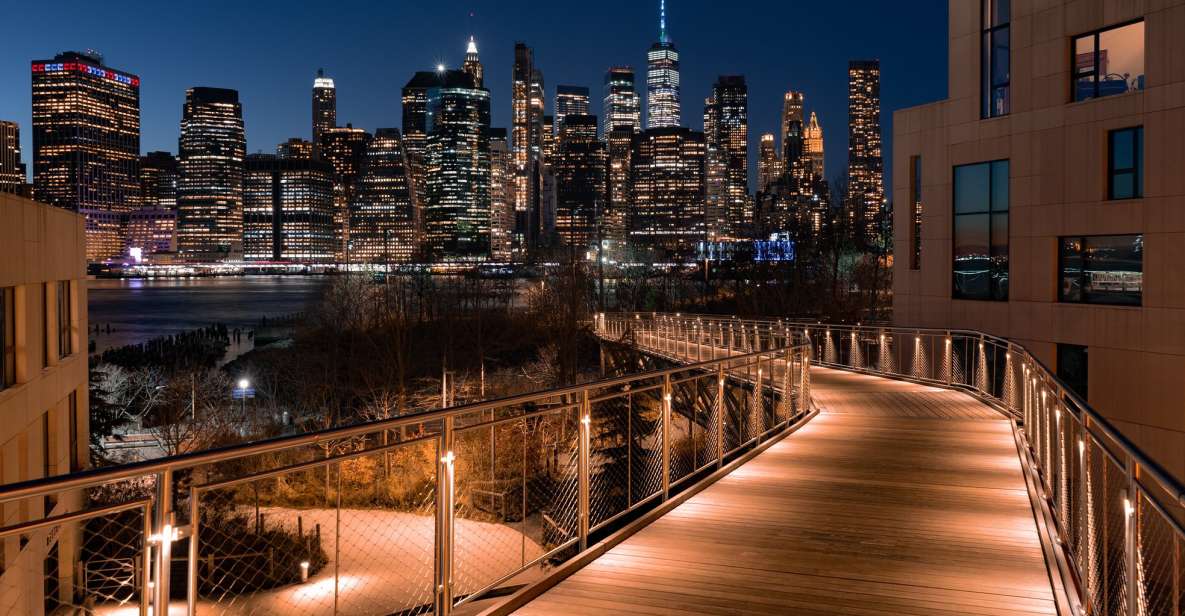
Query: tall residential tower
(211, 157)
(866, 186)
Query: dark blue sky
(269, 51)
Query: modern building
(621, 105)
(288, 210)
(667, 218)
(501, 196)
(211, 156)
(415, 128)
(792, 120)
(619, 143)
(581, 166)
(457, 169)
(324, 106)
(150, 231)
(385, 224)
(86, 143)
(472, 64)
(813, 147)
(569, 100)
(344, 147)
(662, 79)
(158, 181)
(769, 164)
(12, 169)
(295, 147)
(728, 210)
(526, 144)
(43, 395)
(1042, 201)
(866, 177)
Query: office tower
(296, 148)
(569, 100)
(726, 134)
(345, 149)
(769, 164)
(619, 148)
(150, 231)
(501, 196)
(457, 168)
(86, 143)
(813, 145)
(158, 181)
(415, 128)
(667, 180)
(547, 142)
(12, 170)
(662, 79)
(792, 105)
(324, 106)
(866, 190)
(210, 181)
(526, 137)
(385, 224)
(472, 64)
(580, 179)
(621, 106)
(288, 210)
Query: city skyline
(275, 94)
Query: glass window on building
(7, 337)
(1109, 61)
(1073, 368)
(915, 203)
(1125, 163)
(45, 325)
(980, 268)
(1102, 269)
(65, 322)
(996, 61)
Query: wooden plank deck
(897, 499)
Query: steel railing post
(146, 563)
(191, 567)
(164, 536)
(720, 416)
(1131, 538)
(666, 436)
(445, 484)
(584, 472)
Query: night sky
(269, 51)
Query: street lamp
(242, 392)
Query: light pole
(242, 392)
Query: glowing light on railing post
(304, 571)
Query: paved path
(897, 499)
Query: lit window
(1106, 269)
(915, 203)
(1109, 62)
(980, 268)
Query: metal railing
(1116, 515)
(411, 515)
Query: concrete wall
(40, 246)
(1058, 154)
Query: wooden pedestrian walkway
(897, 499)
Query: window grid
(1125, 181)
(1081, 283)
(1086, 82)
(992, 220)
(995, 60)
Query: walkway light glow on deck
(304, 571)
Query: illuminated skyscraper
(621, 106)
(866, 190)
(295, 147)
(210, 182)
(580, 169)
(324, 106)
(791, 127)
(345, 149)
(668, 192)
(769, 165)
(288, 210)
(526, 144)
(569, 100)
(385, 225)
(415, 128)
(501, 196)
(472, 64)
(457, 169)
(12, 170)
(726, 133)
(86, 143)
(158, 181)
(662, 79)
(813, 139)
(619, 143)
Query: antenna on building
(662, 21)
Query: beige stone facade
(43, 400)
(1058, 187)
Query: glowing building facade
(295, 147)
(345, 149)
(569, 100)
(211, 156)
(501, 196)
(324, 106)
(621, 105)
(662, 79)
(288, 210)
(728, 210)
(385, 224)
(667, 181)
(12, 170)
(581, 183)
(158, 181)
(866, 182)
(769, 164)
(457, 170)
(526, 145)
(86, 143)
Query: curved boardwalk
(897, 499)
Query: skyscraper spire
(472, 63)
(662, 21)
(472, 49)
